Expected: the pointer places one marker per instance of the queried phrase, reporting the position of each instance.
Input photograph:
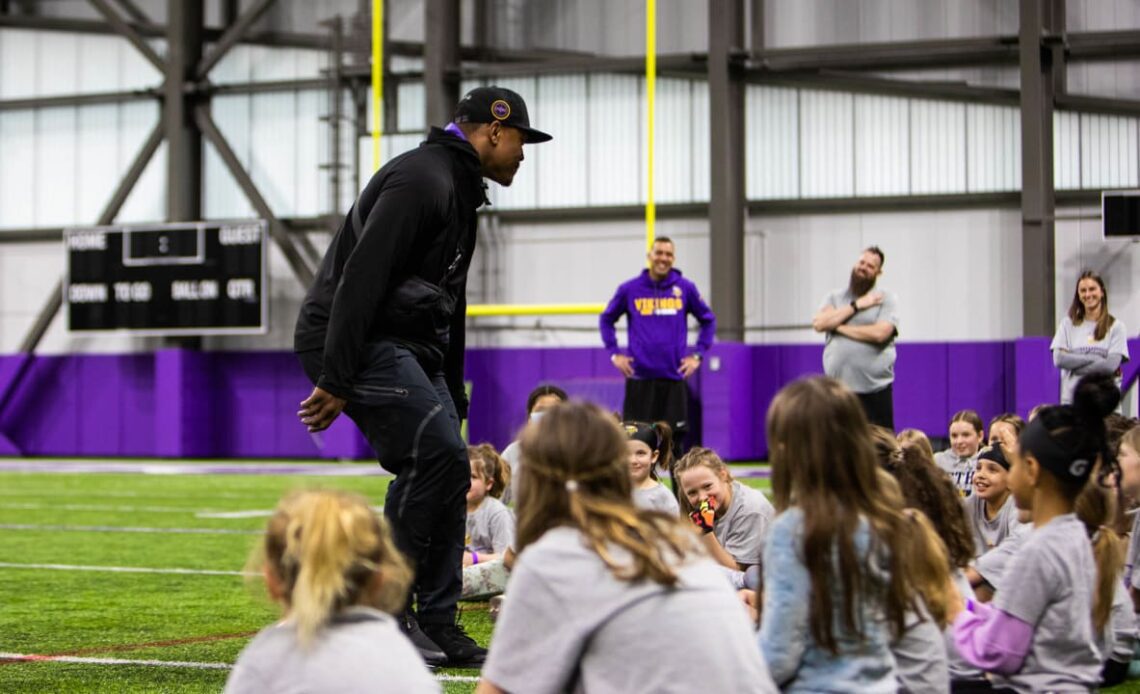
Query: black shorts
(657, 400)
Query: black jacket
(411, 230)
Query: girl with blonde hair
(329, 560)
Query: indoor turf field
(129, 582)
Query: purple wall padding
(178, 403)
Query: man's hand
(624, 364)
(868, 300)
(320, 409)
(689, 366)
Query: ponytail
(928, 564)
(327, 548)
(1095, 507)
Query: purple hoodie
(658, 323)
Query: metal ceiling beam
(284, 39)
(892, 55)
(1101, 45)
(868, 84)
(132, 10)
(65, 100)
(233, 34)
(127, 31)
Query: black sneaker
(461, 649)
(429, 651)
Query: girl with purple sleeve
(1037, 634)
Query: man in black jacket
(381, 335)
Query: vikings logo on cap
(500, 109)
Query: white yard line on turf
(125, 569)
(257, 513)
(120, 529)
(442, 677)
(30, 506)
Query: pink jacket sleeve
(992, 640)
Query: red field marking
(127, 647)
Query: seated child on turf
(926, 489)
(1004, 429)
(330, 561)
(735, 519)
(490, 525)
(838, 579)
(1038, 634)
(650, 449)
(958, 461)
(540, 400)
(991, 508)
(916, 437)
(603, 590)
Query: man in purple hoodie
(658, 303)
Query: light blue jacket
(796, 662)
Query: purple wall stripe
(183, 404)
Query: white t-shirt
(1050, 584)
(569, 625)
(743, 529)
(1081, 339)
(360, 651)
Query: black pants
(880, 407)
(410, 422)
(659, 400)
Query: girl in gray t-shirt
(959, 461)
(329, 560)
(490, 525)
(991, 509)
(1038, 633)
(650, 448)
(601, 589)
(734, 518)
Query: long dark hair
(1077, 309)
(824, 463)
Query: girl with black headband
(1038, 634)
(650, 448)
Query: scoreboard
(193, 278)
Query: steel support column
(441, 60)
(726, 200)
(1040, 65)
(184, 140)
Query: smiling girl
(734, 518)
(650, 447)
(991, 509)
(1089, 340)
(959, 460)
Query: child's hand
(705, 515)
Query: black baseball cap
(491, 104)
